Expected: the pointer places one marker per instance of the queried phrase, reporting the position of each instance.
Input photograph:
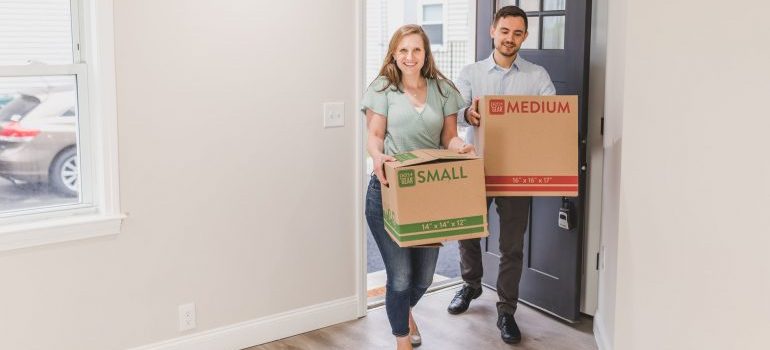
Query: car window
(19, 106)
(54, 105)
(69, 113)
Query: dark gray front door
(558, 40)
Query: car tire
(64, 174)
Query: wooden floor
(475, 329)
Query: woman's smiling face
(410, 54)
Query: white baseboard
(600, 334)
(266, 329)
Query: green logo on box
(406, 178)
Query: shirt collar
(490, 62)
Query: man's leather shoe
(462, 299)
(509, 330)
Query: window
(433, 23)
(546, 22)
(57, 122)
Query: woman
(410, 105)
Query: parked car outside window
(4, 99)
(38, 140)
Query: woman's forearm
(375, 146)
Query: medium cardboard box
(529, 145)
(434, 196)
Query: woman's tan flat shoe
(415, 338)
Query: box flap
(421, 156)
(447, 154)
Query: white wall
(238, 199)
(689, 80)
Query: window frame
(443, 23)
(98, 213)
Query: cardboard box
(434, 196)
(529, 145)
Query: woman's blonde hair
(390, 70)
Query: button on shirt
(487, 78)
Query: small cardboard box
(529, 145)
(434, 196)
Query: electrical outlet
(187, 317)
(334, 114)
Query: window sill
(17, 236)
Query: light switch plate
(334, 114)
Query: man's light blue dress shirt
(487, 78)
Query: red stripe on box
(531, 188)
(531, 180)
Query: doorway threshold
(375, 282)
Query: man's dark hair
(508, 11)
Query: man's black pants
(514, 216)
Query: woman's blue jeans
(409, 270)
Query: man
(503, 73)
